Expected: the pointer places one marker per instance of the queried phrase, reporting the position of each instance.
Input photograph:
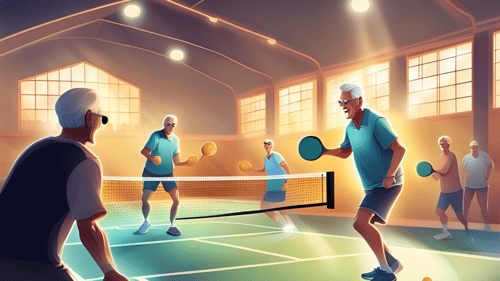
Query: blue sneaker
(381, 275)
(395, 267)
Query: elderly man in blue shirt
(378, 153)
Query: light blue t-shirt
(370, 147)
(273, 164)
(273, 168)
(476, 169)
(166, 149)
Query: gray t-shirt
(476, 169)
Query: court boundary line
(299, 232)
(247, 249)
(237, 267)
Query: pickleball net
(205, 197)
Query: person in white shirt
(478, 166)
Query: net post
(330, 187)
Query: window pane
(464, 104)
(428, 109)
(464, 76)
(65, 74)
(90, 73)
(447, 65)
(41, 88)
(447, 93)
(27, 102)
(429, 69)
(464, 90)
(41, 115)
(41, 102)
(429, 96)
(78, 73)
(53, 88)
(447, 79)
(134, 92)
(447, 107)
(54, 76)
(28, 87)
(464, 61)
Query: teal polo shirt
(166, 149)
(370, 147)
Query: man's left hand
(388, 181)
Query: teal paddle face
(310, 148)
(424, 169)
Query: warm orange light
(360, 5)
(132, 11)
(212, 19)
(177, 55)
(271, 41)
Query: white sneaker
(144, 227)
(487, 227)
(442, 236)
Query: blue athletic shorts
(380, 201)
(275, 196)
(153, 185)
(456, 200)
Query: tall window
(440, 82)
(120, 100)
(496, 44)
(375, 82)
(253, 116)
(296, 108)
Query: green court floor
(252, 247)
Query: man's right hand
(113, 275)
(157, 160)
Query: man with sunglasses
(55, 182)
(378, 153)
(162, 153)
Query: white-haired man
(478, 166)
(54, 182)
(162, 153)
(451, 188)
(378, 153)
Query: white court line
(243, 266)
(136, 278)
(185, 239)
(248, 249)
(306, 233)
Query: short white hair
(72, 106)
(269, 141)
(170, 116)
(356, 90)
(473, 143)
(448, 139)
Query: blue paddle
(311, 148)
(424, 169)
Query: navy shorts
(275, 196)
(456, 200)
(153, 185)
(380, 201)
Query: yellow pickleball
(209, 148)
(157, 160)
(192, 160)
(244, 166)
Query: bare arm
(398, 152)
(488, 172)
(147, 153)
(96, 242)
(178, 162)
(339, 152)
(285, 167)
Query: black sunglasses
(168, 125)
(104, 118)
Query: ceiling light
(176, 54)
(212, 19)
(360, 5)
(132, 11)
(271, 41)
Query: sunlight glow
(360, 5)
(132, 11)
(177, 55)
